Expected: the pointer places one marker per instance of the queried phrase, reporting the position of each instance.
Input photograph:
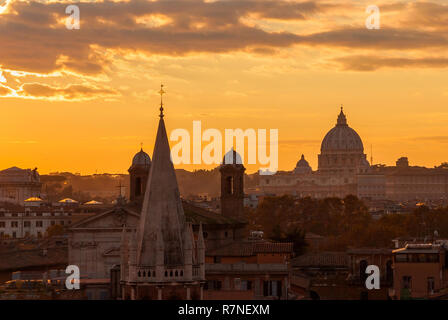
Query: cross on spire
(161, 92)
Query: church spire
(162, 212)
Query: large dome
(341, 138)
(141, 159)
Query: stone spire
(342, 120)
(162, 217)
(201, 252)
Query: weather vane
(161, 92)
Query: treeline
(344, 222)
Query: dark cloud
(35, 40)
(426, 15)
(386, 38)
(70, 92)
(371, 63)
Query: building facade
(343, 170)
(420, 271)
(340, 161)
(17, 185)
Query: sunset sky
(83, 100)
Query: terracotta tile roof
(250, 248)
(325, 259)
(197, 214)
(385, 251)
(273, 247)
(20, 259)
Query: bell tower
(164, 260)
(138, 175)
(232, 185)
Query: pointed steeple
(162, 211)
(342, 120)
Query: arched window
(229, 185)
(138, 186)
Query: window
(407, 282)
(39, 224)
(389, 272)
(53, 223)
(430, 282)
(237, 283)
(2, 224)
(14, 235)
(272, 288)
(14, 224)
(138, 186)
(401, 257)
(362, 270)
(229, 185)
(216, 259)
(246, 285)
(27, 224)
(213, 285)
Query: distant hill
(105, 187)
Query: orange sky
(83, 100)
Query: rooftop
(251, 248)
